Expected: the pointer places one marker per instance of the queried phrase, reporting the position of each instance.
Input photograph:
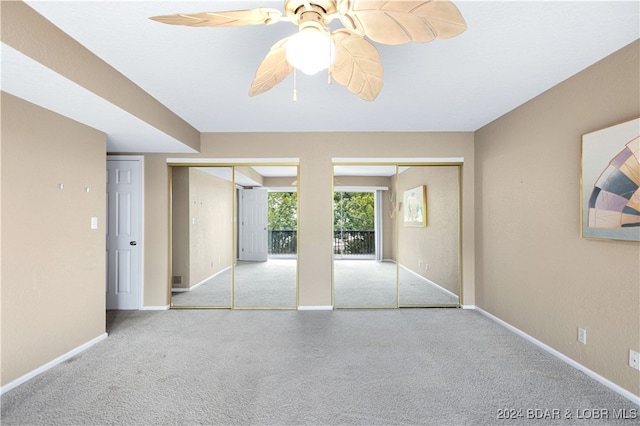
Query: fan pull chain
(295, 85)
(329, 68)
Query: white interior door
(254, 225)
(124, 204)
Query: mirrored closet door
(364, 270)
(428, 205)
(234, 237)
(267, 250)
(202, 225)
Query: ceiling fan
(352, 60)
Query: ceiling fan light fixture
(315, 46)
(311, 49)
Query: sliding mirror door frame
(227, 272)
(233, 212)
(256, 274)
(362, 178)
(396, 202)
(401, 167)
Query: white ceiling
(511, 52)
(32, 81)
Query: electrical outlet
(634, 359)
(582, 336)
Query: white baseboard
(155, 308)
(315, 308)
(608, 383)
(430, 282)
(62, 358)
(179, 289)
(472, 307)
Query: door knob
(133, 243)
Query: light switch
(94, 223)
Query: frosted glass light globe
(311, 50)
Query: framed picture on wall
(610, 184)
(414, 206)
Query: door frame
(242, 210)
(140, 159)
(399, 163)
(173, 162)
(378, 231)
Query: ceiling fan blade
(232, 18)
(273, 69)
(398, 22)
(357, 64)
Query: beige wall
(156, 231)
(533, 269)
(279, 182)
(53, 264)
(250, 173)
(390, 214)
(202, 225)
(381, 181)
(315, 151)
(211, 237)
(434, 246)
(180, 228)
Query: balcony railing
(346, 243)
(354, 243)
(282, 242)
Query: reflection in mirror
(265, 274)
(364, 270)
(428, 235)
(234, 246)
(202, 236)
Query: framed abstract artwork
(610, 184)
(414, 206)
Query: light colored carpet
(415, 290)
(257, 284)
(364, 283)
(215, 292)
(286, 367)
(266, 284)
(367, 283)
(358, 283)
